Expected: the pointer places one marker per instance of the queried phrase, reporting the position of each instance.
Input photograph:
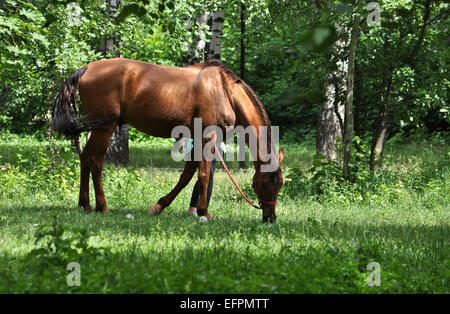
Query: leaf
(130, 9)
(49, 18)
(342, 8)
(40, 38)
(317, 163)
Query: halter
(239, 189)
(260, 200)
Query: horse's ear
(280, 157)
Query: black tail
(65, 113)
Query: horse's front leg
(204, 171)
(189, 169)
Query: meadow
(326, 233)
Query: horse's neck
(248, 114)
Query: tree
(330, 124)
(213, 48)
(205, 47)
(118, 150)
(348, 125)
(197, 47)
(242, 58)
(407, 56)
(379, 137)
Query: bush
(325, 179)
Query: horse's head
(267, 185)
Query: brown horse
(154, 99)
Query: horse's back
(154, 98)
(151, 97)
(102, 85)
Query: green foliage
(325, 180)
(288, 52)
(38, 56)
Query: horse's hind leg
(188, 172)
(97, 145)
(85, 166)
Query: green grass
(317, 245)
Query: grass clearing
(317, 245)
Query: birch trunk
(197, 48)
(214, 47)
(330, 121)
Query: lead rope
(235, 184)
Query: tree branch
(415, 50)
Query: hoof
(154, 209)
(102, 209)
(204, 213)
(87, 209)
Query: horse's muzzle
(271, 217)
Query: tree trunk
(242, 41)
(197, 48)
(414, 52)
(328, 128)
(118, 150)
(330, 121)
(76, 143)
(379, 138)
(214, 47)
(242, 162)
(357, 101)
(357, 105)
(348, 128)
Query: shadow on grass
(175, 223)
(235, 254)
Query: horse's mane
(250, 93)
(237, 80)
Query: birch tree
(330, 124)
(214, 46)
(196, 26)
